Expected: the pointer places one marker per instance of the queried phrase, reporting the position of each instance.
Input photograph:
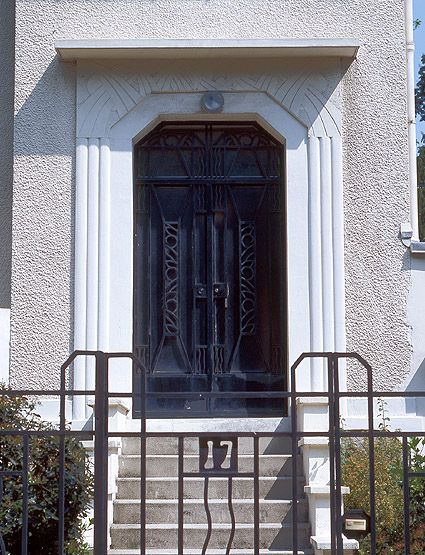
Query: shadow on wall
(45, 124)
(45, 127)
(7, 57)
(417, 383)
(417, 321)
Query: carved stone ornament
(107, 93)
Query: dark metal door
(210, 288)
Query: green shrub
(43, 482)
(388, 488)
(421, 210)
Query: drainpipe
(411, 114)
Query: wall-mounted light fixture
(212, 102)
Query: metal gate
(218, 456)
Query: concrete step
(127, 511)
(273, 536)
(242, 488)
(168, 445)
(167, 465)
(209, 552)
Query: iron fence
(217, 457)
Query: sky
(419, 13)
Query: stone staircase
(275, 486)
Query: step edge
(218, 526)
(201, 478)
(196, 501)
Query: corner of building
(7, 65)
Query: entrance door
(210, 292)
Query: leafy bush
(43, 484)
(421, 210)
(388, 488)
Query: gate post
(101, 455)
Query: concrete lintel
(313, 400)
(325, 543)
(417, 248)
(318, 441)
(113, 403)
(323, 490)
(71, 50)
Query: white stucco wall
(375, 159)
(7, 51)
(6, 147)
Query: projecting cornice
(71, 50)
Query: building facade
(88, 84)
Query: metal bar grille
(220, 461)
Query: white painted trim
(340, 344)
(411, 118)
(4, 344)
(315, 262)
(326, 254)
(92, 269)
(104, 242)
(327, 245)
(80, 277)
(71, 50)
(133, 103)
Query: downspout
(411, 115)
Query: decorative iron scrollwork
(247, 278)
(218, 197)
(276, 199)
(218, 359)
(200, 363)
(218, 457)
(199, 198)
(171, 272)
(199, 164)
(210, 264)
(208, 151)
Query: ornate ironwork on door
(210, 291)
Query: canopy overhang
(72, 50)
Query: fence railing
(218, 456)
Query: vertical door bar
(331, 405)
(180, 539)
(294, 445)
(337, 437)
(210, 261)
(62, 470)
(371, 441)
(142, 372)
(101, 456)
(25, 470)
(406, 496)
(256, 496)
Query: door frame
(282, 180)
(103, 202)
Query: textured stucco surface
(6, 146)
(375, 158)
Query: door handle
(221, 291)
